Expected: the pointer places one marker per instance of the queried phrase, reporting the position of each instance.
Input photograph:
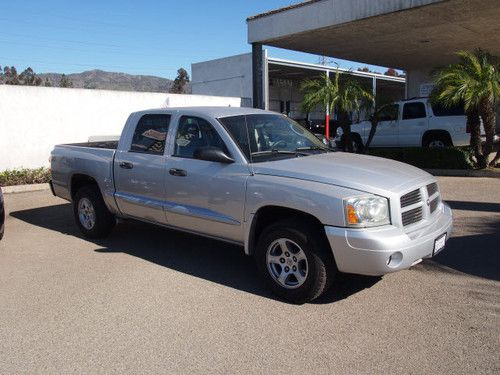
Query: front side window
(194, 133)
(389, 112)
(266, 136)
(150, 134)
(413, 111)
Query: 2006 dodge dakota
(258, 179)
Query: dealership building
(415, 36)
(232, 76)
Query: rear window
(150, 134)
(441, 111)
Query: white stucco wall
(34, 119)
(414, 80)
(228, 76)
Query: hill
(99, 79)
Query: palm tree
(474, 82)
(330, 93)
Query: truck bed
(112, 145)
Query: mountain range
(99, 79)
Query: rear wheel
(437, 141)
(91, 214)
(295, 261)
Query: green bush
(428, 158)
(24, 176)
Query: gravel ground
(150, 300)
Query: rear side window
(413, 110)
(441, 111)
(150, 134)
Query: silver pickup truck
(260, 180)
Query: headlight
(366, 211)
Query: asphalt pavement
(151, 300)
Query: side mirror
(210, 153)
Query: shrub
(24, 176)
(428, 158)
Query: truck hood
(359, 172)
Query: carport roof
(399, 33)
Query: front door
(204, 196)
(140, 170)
(386, 134)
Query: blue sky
(136, 37)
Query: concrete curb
(24, 188)
(465, 173)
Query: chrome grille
(412, 216)
(432, 189)
(411, 198)
(434, 204)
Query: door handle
(178, 172)
(126, 165)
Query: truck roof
(209, 111)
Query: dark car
(2, 215)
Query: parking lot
(151, 300)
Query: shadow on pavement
(477, 255)
(208, 259)
(474, 206)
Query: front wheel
(91, 214)
(295, 261)
(356, 143)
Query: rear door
(414, 122)
(139, 168)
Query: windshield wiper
(313, 148)
(275, 151)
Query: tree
(10, 75)
(47, 82)
(391, 72)
(180, 82)
(29, 78)
(347, 96)
(65, 81)
(473, 81)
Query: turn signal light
(352, 218)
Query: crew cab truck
(260, 180)
(415, 123)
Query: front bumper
(377, 251)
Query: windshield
(262, 137)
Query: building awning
(397, 33)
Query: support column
(327, 115)
(257, 75)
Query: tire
(437, 141)
(305, 249)
(357, 143)
(91, 214)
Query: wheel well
(80, 180)
(430, 134)
(271, 214)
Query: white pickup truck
(415, 123)
(257, 179)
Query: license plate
(439, 244)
